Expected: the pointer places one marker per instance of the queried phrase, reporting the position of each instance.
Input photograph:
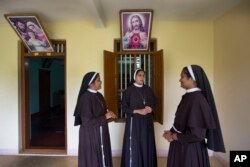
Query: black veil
(214, 136)
(88, 78)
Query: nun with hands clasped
(138, 104)
(196, 126)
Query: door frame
(24, 102)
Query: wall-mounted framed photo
(30, 31)
(135, 28)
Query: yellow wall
(231, 76)
(221, 47)
(183, 43)
(8, 89)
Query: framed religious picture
(135, 28)
(30, 31)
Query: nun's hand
(148, 109)
(140, 111)
(144, 111)
(168, 136)
(113, 115)
(110, 115)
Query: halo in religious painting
(135, 29)
(30, 31)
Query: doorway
(43, 100)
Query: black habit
(139, 148)
(93, 133)
(192, 119)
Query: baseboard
(221, 159)
(115, 153)
(118, 152)
(160, 153)
(9, 152)
(72, 152)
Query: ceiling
(101, 11)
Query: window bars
(127, 64)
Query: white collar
(193, 90)
(137, 85)
(92, 91)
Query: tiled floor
(65, 161)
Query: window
(118, 71)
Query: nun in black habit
(196, 126)
(92, 115)
(138, 101)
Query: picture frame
(30, 30)
(135, 29)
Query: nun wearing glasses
(196, 125)
(138, 102)
(92, 115)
